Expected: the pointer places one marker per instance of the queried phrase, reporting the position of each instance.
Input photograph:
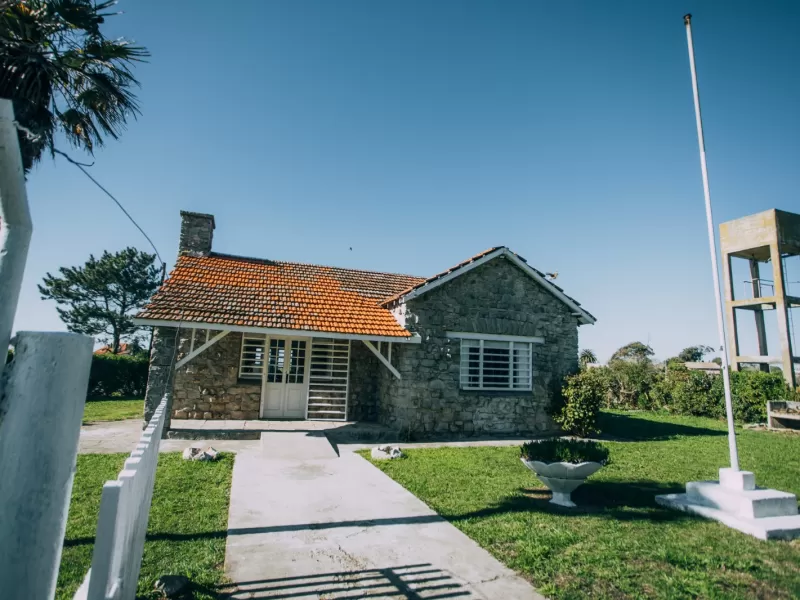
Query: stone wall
(208, 387)
(362, 397)
(197, 233)
(160, 373)
(495, 298)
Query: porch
(254, 380)
(244, 429)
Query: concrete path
(305, 523)
(108, 437)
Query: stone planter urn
(562, 478)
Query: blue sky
(419, 133)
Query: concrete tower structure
(770, 237)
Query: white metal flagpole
(713, 249)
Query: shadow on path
(417, 582)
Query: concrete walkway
(305, 523)
(108, 437)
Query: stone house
(477, 349)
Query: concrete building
(765, 241)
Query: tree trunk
(115, 342)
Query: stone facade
(197, 233)
(160, 374)
(208, 386)
(494, 298)
(362, 397)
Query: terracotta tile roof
(235, 290)
(123, 349)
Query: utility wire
(33, 137)
(82, 166)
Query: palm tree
(587, 357)
(63, 75)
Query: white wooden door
(285, 388)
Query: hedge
(117, 376)
(703, 394)
(680, 391)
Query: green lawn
(112, 410)
(188, 521)
(618, 543)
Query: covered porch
(253, 379)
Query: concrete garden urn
(562, 478)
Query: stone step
(749, 504)
(766, 528)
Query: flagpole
(713, 250)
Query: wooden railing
(122, 522)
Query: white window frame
(251, 340)
(513, 342)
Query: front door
(285, 390)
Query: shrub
(752, 389)
(117, 376)
(571, 451)
(9, 356)
(581, 398)
(697, 393)
(703, 394)
(631, 384)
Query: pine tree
(100, 297)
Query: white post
(40, 423)
(15, 224)
(712, 245)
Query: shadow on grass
(623, 501)
(630, 427)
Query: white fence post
(41, 408)
(122, 522)
(15, 224)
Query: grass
(187, 529)
(112, 410)
(618, 543)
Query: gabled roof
(421, 287)
(247, 292)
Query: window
(495, 364)
(297, 362)
(251, 365)
(275, 360)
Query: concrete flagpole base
(736, 501)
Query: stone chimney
(197, 232)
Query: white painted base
(562, 499)
(562, 478)
(739, 504)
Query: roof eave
(146, 322)
(584, 317)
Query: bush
(631, 384)
(581, 399)
(697, 393)
(117, 376)
(752, 389)
(570, 451)
(703, 394)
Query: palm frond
(62, 73)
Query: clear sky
(419, 133)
